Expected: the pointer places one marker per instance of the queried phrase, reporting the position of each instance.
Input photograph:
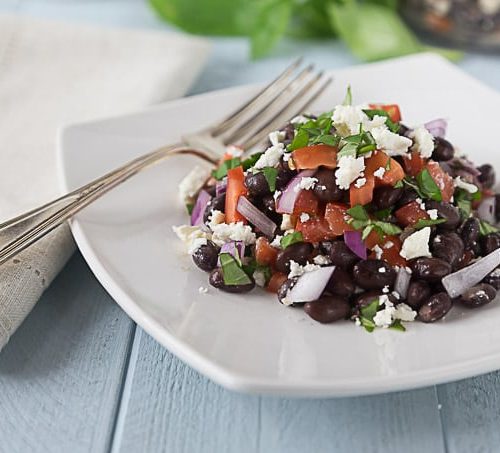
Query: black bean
(284, 175)
(403, 129)
(328, 309)
(465, 260)
(215, 204)
(497, 207)
(326, 189)
(386, 197)
(449, 247)
(269, 203)
(366, 298)
(430, 269)
(478, 295)
(340, 283)
(206, 256)
(445, 211)
(443, 149)
(407, 196)
(339, 254)
(374, 274)
(470, 232)
(298, 252)
(286, 286)
(418, 292)
(487, 176)
(289, 131)
(216, 279)
(493, 279)
(490, 242)
(257, 184)
(435, 307)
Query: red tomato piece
(410, 214)
(276, 280)
(314, 156)
(442, 179)
(391, 109)
(315, 230)
(265, 255)
(235, 189)
(336, 216)
(306, 202)
(414, 164)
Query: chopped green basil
(291, 238)
(300, 140)
(348, 96)
(383, 214)
(371, 113)
(358, 212)
(366, 231)
(366, 149)
(387, 227)
(398, 184)
(367, 313)
(462, 200)
(349, 149)
(229, 164)
(232, 272)
(326, 139)
(271, 173)
(427, 186)
(487, 228)
(422, 223)
(410, 182)
(251, 161)
(397, 325)
(388, 166)
(189, 208)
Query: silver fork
(286, 96)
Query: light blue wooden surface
(79, 376)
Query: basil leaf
(397, 325)
(422, 223)
(331, 140)
(410, 182)
(387, 228)
(250, 161)
(383, 213)
(368, 312)
(486, 228)
(349, 149)
(358, 212)
(398, 184)
(368, 324)
(189, 208)
(462, 200)
(291, 238)
(348, 96)
(232, 272)
(300, 140)
(358, 224)
(271, 173)
(388, 166)
(229, 164)
(371, 113)
(427, 186)
(367, 148)
(366, 231)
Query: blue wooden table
(80, 376)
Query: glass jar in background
(463, 23)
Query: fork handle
(23, 231)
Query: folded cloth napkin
(51, 74)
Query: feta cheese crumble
(227, 232)
(461, 184)
(191, 183)
(260, 278)
(347, 119)
(196, 244)
(304, 217)
(405, 313)
(378, 251)
(300, 119)
(349, 169)
(390, 313)
(360, 182)
(416, 244)
(215, 218)
(286, 222)
(423, 141)
(393, 144)
(306, 183)
(271, 156)
(379, 172)
(433, 214)
(296, 270)
(189, 235)
(321, 260)
(276, 242)
(276, 137)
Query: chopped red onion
(486, 210)
(437, 127)
(234, 248)
(220, 187)
(310, 285)
(460, 281)
(199, 208)
(286, 201)
(402, 282)
(256, 217)
(353, 240)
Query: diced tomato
(311, 157)
(235, 189)
(391, 109)
(442, 179)
(315, 230)
(414, 163)
(391, 246)
(364, 194)
(393, 170)
(276, 280)
(336, 216)
(265, 255)
(373, 239)
(306, 202)
(410, 214)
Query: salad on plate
(352, 215)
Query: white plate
(252, 343)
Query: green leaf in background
(310, 20)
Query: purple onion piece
(486, 209)
(460, 281)
(310, 286)
(286, 201)
(234, 248)
(256, 217)
(437, 127)
(220, 187)
(353, 240)
(199, 208)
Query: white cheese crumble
(192, 182)
(385, 289)
(423, 141)
(304, 217)
(190, 234)
(360, 182)
(432, 213)
(377, 121)
(306, 183)
(404, 312)
(196, 244)
(271, 156)
(286, 156)
(227, 232)
(461, 184)
(296, 270)
(300, 119)
(347, 119)
(383, 318)
(393, 144)
(321, 260)
(276, 242)
(260, 278)
(286, 222)
(350, 169)
(276, 195)
(276, 137)
(378, 251)
(416, 244)
(203, 290)
(420, 203)
(215, 218)
(381, 270)
(379, 172)
(388, 244)
(234, 150)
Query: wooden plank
(470, 410)
(61, 373)
(169, 407)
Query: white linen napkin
(51, 74)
